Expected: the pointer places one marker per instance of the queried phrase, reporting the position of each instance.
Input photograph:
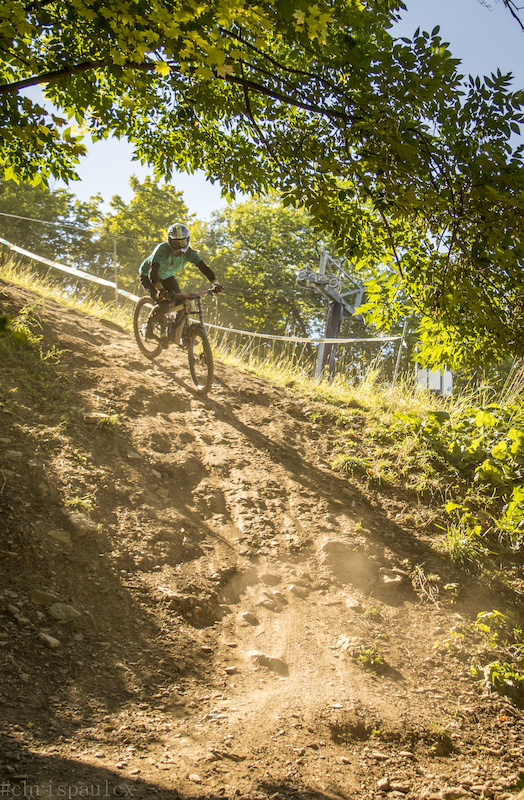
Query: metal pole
(321, 353)
(399, 354)
(320, 360)
(335, 321)
(115, 264)
(323, 262)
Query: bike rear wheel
(200, 359)
(149, 347)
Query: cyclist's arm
(153, 275)
(205, 270)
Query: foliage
(141, 224)
(371, 658)
(176, 79)
(17, 330)
(469, 284)
(83, 236)
(109, 421)
(464, 543)
(505, 679)
(485, 445)
(492, 633)
(257, 247)
(406, 164)
(32, 364)
(85, 502)
(67, 225)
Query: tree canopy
(142, 223)
(406, 164)
(257, 247)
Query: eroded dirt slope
(184, 585)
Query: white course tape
(297, 339)
(78, 272)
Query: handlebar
(165, 295)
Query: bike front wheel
(200, 359)
(149, 347)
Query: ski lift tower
(342, 294)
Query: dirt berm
(194, 604)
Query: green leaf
(484, 419)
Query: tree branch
(289, 100)
(510, 5)
(245, 83)
(55, 75)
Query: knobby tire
(200, 359)
(149, 347)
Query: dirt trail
(185, 584)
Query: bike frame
(191, 303)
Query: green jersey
(168, 263)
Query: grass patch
(89, 304)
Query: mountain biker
(157, 271)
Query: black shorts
(170, 284)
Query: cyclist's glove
(218, 287)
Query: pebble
(63, 612)
(195, 778)
(379, 756)
(80, 523)
(269, 604)
(270, 579)
(61, 535)
(274, 664)
(42, 598)
(13, 455)
(298, 591)
(391, 580)
(48, 641)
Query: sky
(484, 36)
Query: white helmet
(178, 238)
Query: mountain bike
(177, 327)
